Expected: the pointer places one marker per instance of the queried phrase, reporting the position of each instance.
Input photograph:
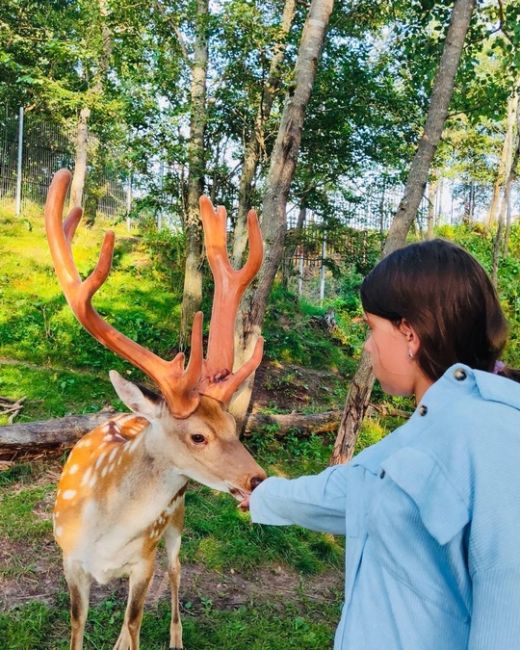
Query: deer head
(190, 426)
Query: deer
(122, 487)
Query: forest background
(152, 103)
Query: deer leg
(79, 589)
(172, 538)
(139, 582)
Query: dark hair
(449, 300)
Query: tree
(508, 162)
(281, 172)
(257, 132)
(192, 295)
(97, 70)
(363, 380)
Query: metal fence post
(129, 201)
(300, 274)
(322, 270)
(18, 208)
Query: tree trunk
(80, 160)
(473, 193)
(509, 158)
(82, 140)
(281, 171)
(504, 165)
(511, 178)
(256, 138)
(192, 294)
(361, 388)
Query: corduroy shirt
(432, 519)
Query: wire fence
(32, 149)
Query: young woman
(432, 512)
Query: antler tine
(177, 385)
(230, 285)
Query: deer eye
(198, 438)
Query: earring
(410, 354)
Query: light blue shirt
(432, 519)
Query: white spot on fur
(69, 494)
(92, 481)
(58, 531)
(100, 460)
(86, 476)
(112, 454)
(73, 469)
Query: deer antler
(230, 284)
(178, 385)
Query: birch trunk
(80, 160)
(510, 180)
(503, 167)
(509, 157)
(359, 393)
(256, 138)
(192, 294)
(83, 140)
(281, 171)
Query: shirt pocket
(442, 510)
(415, 515)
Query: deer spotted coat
(432, 520)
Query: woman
(432, 512)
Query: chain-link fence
(31, 150)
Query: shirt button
(423, 409)
(459, 374)
(382, 473)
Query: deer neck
(150, 469)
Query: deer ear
(135, 399)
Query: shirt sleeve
(495, 621)
(315, 502)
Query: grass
(267, 626)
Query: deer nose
(255, 481)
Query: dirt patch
(290, 387)
(33, 573)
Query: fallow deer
(122, 487)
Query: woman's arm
(495, 621)
(315, 502)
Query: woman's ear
(411, 336)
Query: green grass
(266, 626)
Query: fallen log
(32, 439)
(283, 423)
